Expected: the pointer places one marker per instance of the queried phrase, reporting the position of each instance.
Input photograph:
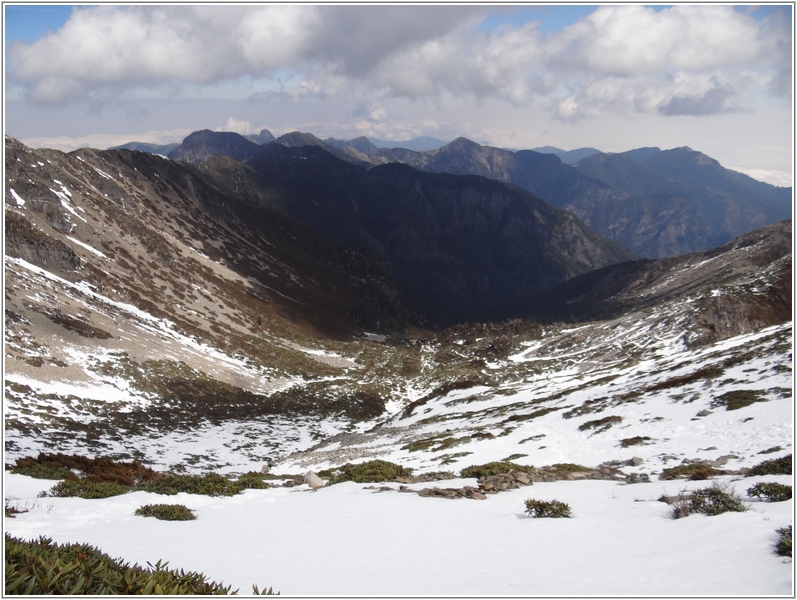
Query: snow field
(347, 540)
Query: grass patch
(166, 512)
(550, 509)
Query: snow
(348, 540)
(20, 201)
(86, 246)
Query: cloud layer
(683, 60)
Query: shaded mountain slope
(456, 244)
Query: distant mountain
(568, 157)
(162, 149)
(657, 203)
(264, 137)
(418, 144)
(201, 144)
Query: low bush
(553, 509)
(783, 547)
(692, 471)
(42, 567)
(372, 471)
(634, 441)
(494, 468)
(714, 500)
(166, 512)
(775, 466)
(102, 468)
(770, 492)
(86, 488)
(600, 424)
(208, 484)
(637, 478)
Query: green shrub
(783, 547)
(770, 492)
(166, 512)
(637, 478)
(208, 484)
(634, 441)
(42, 567)
(775, 466)
(493, 468)
(39, 470)
(86, 488)
(693, 471)
(553, 509)
(736, 399)
(714, 500)
(600, 424)
(72, 466)
(254, 480)
(569, 468)
(372, 471)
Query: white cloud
(236, 126)
(696, 60)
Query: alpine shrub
(493, 468)
(372, 471)
(775, 466)
(714, 500)
(553, 509)
(770, 492)
(42, 567)
(86, 488)
(783, 547)
(166, 512)
(209, 484)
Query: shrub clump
(637, 478)
(494, 468)
(783, 547)
(66, 466)
(770, 492)
(775, 466)
(42, 567)
(86, 488)
(208, 484)
(711, 501)
(600, 424)
(166, 512)
(553, 509)
(372, 471)
(693, 471)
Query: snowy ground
(347, 540)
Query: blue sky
(716, 78)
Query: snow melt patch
(86, 246)
(20, 201)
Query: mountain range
(658, 203)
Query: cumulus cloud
(697, 60)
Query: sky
(715, 78)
